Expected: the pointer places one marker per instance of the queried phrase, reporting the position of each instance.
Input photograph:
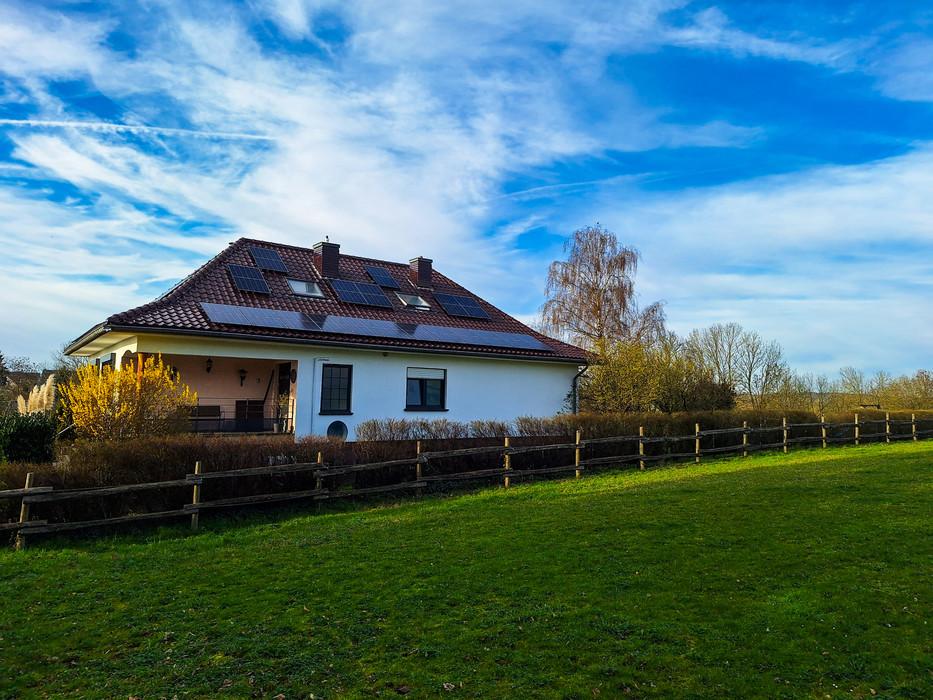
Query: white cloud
(41, 44)
(395, 144)
(711, 29)
(837, 260)
(906, 72)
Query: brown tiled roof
(179, 309)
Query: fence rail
(828, 433)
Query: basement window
(306, 289)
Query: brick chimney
(327, 258)
(420, 271)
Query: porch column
(304, 397)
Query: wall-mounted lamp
(208, 365)
(242, 376)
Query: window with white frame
(306, 289)
(426, 389)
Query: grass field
(786, 576)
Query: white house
(276, 337)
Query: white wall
(477, 388)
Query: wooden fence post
(745, 438)
(887, 427)
(698, 443)
(508, 462)
(823, 429)
(196, 497)
(856, 429)
(641, 447)
(784, 423)
(418, 466)
(319, 481)
(913, 426)
(576, 457)
(24, 513)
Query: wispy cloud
(400, 132)
(129, 128)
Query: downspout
(314, 383)
(575, 387)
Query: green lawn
(807, 575)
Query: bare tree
(590, 297)
(880, 389)
(21, 374)
(920, 390)
(716, 349)
(761, 369)
(852, 384)
(826, 394)
(795, 392)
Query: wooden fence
(623, 450)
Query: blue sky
(772, 161)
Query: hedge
(27, 438)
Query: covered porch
(235, 395)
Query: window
(426, 389)
(306, 289)
(335, 389)
(413, 301)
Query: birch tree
(590, 297)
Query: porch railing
(227, 415)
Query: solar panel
(296, 320)
(248, 279)
(268, 259)
(461, 306)
(360, 293)
(381, 276)
(369, 328)
(340, 325)
(222, 313)
(267, 318)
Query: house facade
(275, 337)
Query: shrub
(122, 404)
(491, 429)
(400, 429)
(27, 438)
(107, 462)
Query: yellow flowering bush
(120, 404)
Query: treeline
(725, 367)
(637, 365)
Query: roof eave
(335, 343)
(88, 337)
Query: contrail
(107, 126)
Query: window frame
(407, 299)
(327, 397)
(320, 291)
(423, 390)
